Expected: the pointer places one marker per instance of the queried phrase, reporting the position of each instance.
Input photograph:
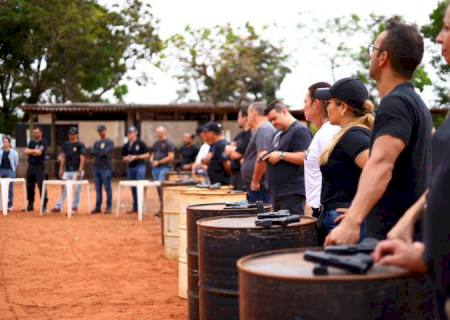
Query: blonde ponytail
(364, 119)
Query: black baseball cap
(213, 127)
(73, 130)
(351, 91)
(132, 129)
(101, 128)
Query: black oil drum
(195, 213)
(222, 241)
(281, 285)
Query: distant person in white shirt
(316, 113)
(198, 167)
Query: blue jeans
(8, 173)
(261, 195)
(159, 173)
(70, 175)
(329, 224)
(136, 173)
(103, 177)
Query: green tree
(71, 49)
(343, 42)
(430, 31)
(226, 64)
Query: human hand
(255, 186)
(347, 232)
(400, 254)
(274, 157)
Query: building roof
(99, 107)
(82, 107)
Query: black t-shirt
(437, 216)
(216, 171)
(404, 115)
(40, 160)
(136, 148)
(161, 150)
(102, 151)
(188, 154)
(5, 161)
(340, 175)
(242, 140)
(73, 152)
(285, 178)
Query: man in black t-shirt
(219, 168)
(72, 159)
(400, 146)
(434, 253)
(188, 152)
(236, 150)
(102, 170)
(134, 153)
(285, 173)
(35, 151)
(163, 153)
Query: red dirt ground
(89, 267)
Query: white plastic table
(68, 184)
(4, 184)
(140, 185)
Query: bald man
(163, 153)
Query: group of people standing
(365, 172)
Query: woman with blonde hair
(342, 161)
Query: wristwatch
(282, 155)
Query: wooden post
(53, 135)
(30, 124)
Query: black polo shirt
(340, 175)
(137, 148)
(102, 151)
(404, 115)
(73, 152)
(285, 178)
(216, 171)
(40, 160)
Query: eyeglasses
(371, 48)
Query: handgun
(266, 155)
(284, 221)
(359, 263)
(366, 246)
(273, 215)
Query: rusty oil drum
(281, 285)
(222, 241)
(188, 198)
(169, 220)
(194, 214)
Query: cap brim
(323, 94)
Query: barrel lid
(220, 206)
(244, 222)
(290, 264)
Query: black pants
(295, 203)
(35, 175)
(236, 181)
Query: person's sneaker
(30, 207)
(55, 210)
(132, 211)
(74, 210)
(10, 209)
(108, 211)
(95, 211)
